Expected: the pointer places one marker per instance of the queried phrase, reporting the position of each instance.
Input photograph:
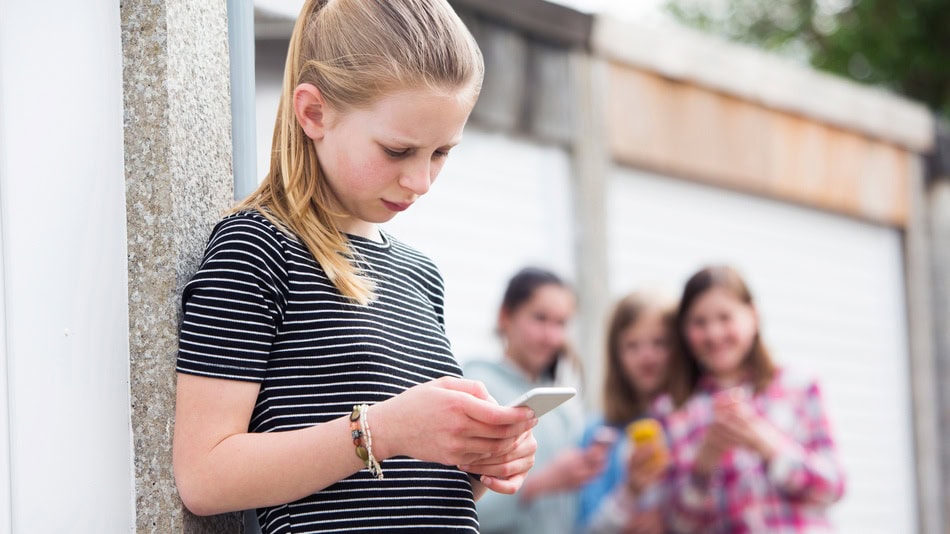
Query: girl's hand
(451, 421)
(724, 433)
(506, 473)
(646, 465)
(749, 429)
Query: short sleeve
(233, 305)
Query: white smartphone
(543, 400)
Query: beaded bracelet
(363, 439)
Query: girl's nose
(417, 177)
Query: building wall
(64, 370)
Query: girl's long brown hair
(354, 52)
(685, 370)
(622, 402)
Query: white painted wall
(830, 291)
(62, 217)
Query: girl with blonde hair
(627, 497)
(315, 380)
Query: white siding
(65, 302)
(830, 291)
(500, 203)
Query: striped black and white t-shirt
(261, 309)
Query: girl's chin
(721, 364)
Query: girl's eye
(440, 154)
(396, 153)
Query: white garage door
(499, 204)
(831, 295)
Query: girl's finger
(503, 470)
(500, 485)
(493, 414)
(472, 387)
(524, 446)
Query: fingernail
(486, 480)
(534, 422)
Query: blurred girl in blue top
(532, 321)
(626, 496)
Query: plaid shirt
(746, 494)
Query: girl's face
(720, 329)
(536, 330)
(644, 353)
(380, 159)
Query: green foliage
(903, 45)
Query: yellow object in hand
(644, 431)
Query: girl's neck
(645, 399)
(728, 379)
(366, 230)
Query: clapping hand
(736, 423)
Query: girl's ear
(311, 110)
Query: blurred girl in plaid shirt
(751, 447)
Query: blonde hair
(354, 52)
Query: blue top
(594, 496)
(594, 492)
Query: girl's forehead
(718, 296)
(418, 116)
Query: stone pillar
(178, 182)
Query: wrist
(768, 441)
(362, 437)
(383, 438)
